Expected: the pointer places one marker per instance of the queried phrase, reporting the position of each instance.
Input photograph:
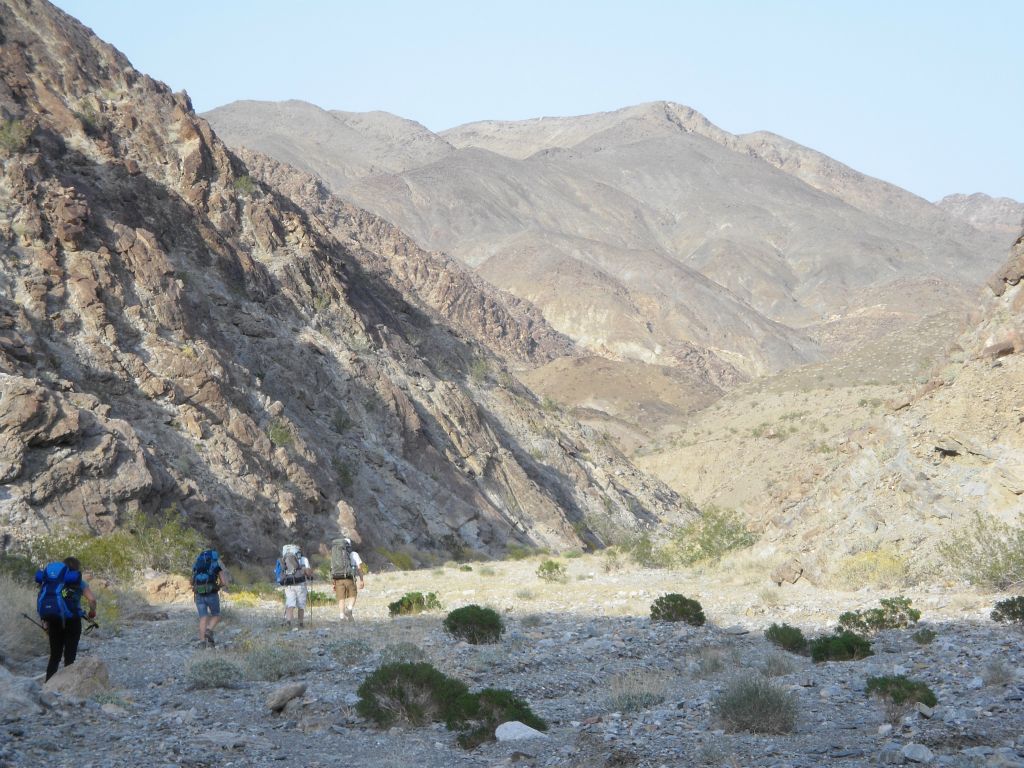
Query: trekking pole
(34, 622)
(309, 597)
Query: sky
(927, 94)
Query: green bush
(786, 637)
(1009, 611)
(402, 653)
(403, 561)
(280, 433)
(519, 552)
(842, 646)
(317, 598)
(414, 602)
(273, 662)
(895, 613)
(212, 671)
(645, 554)
(988, 553)
(19, 568)
(709, 537)
(416, 694)
(551, 570)
(486, 710)
(163, 544)
(673, 607)
(14, 135)
(474, 624)
(757, 705)
(924, 636)
(244, 185)
(901, 690)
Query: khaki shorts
(345, 588)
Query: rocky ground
(578, 652)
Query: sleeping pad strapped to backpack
(53, 581)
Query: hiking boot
(209, 639)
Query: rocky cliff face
(173, 331)
(1001, 216)
(950, 450)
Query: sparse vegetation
(757, 705)
(19, 639)
(900, 690)
(998, 672)
(280, 433)
(987, 553)
(244, 185)
(552, 570)
(414, 602)
(842, 646)
(264, 661)
(403, 561)
(675, 607)
(479, 370)
(474, 624)
(14, 135)
(207, 670)
(636, 690)
(786, 637)
(924, 636)
(895, 613)
(777, 665)
(716, 532)
(1009, 611)
(883, 568)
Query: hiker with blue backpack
(292, 571)
(208, 578)
(59, 604)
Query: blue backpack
(204, 572)
(52, 581)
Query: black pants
(64, 637)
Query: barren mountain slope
(173, 331)
(914, 475)
(999, 215)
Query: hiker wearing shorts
(346, 567)
(208, 578)
(292, 573)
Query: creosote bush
(786, 637)
(842, 646)
(208, 670)
(709, 537)
(675, 607)
(924, 636)
(1009, 611)
(988, 553)
(418, 694)
(273, 662)
(414, 602)
(551, 570)
(636, 690)
(900, 690)
(474, 624)
(402, 653)
(895, 613)
(757, 705)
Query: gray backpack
(341, 559)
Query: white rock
(515, 731)
(924, 710)
(975, 683)
(277, 700)
(351, 699)
(885, 729)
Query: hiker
(346, 565)
(292, 571)
(208, 578)
(61, 589)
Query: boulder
(85, 678)
(281, 696)
(19, 697)
(514, 730)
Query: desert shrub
(895, 613)
(212, 671)
(924, 636)
(713, 534)
(525, 594)
(674, 607)
(532, 620)
(479, 370)
(883, 568)
(572, 554)
(402, 653)
(19, 638)
(612, 561)
(710, 662)
(786, 637)
(487, 570)
(474, 624)
(997, 672)
(519, 552)
(415, 694)
(636, 690)
(1009, 611)
(14, 136)
(757, 705)
(280, 433)
(414, 602)
(466, 568)
(484, 711)
(900, 690)
(317, 598)
(644, 553)
(551, 570)
(349, 650)
(19, 568)
(244, 598)
(273, 662)
(164, 543)
(403, 561)
(842, 646)
(244, 184)
(777, 665)
(987, 552)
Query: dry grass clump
(883, 568)
(208, 670)
(636, 690)
(998, 672)
(402, 653)
(19, 638)
(273, 662)
(757, 705)
(777, 665)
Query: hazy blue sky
(928, 95)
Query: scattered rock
(517, 731)
(86, 677)
(281, 696)
(917, 753)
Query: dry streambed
(616, 688)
